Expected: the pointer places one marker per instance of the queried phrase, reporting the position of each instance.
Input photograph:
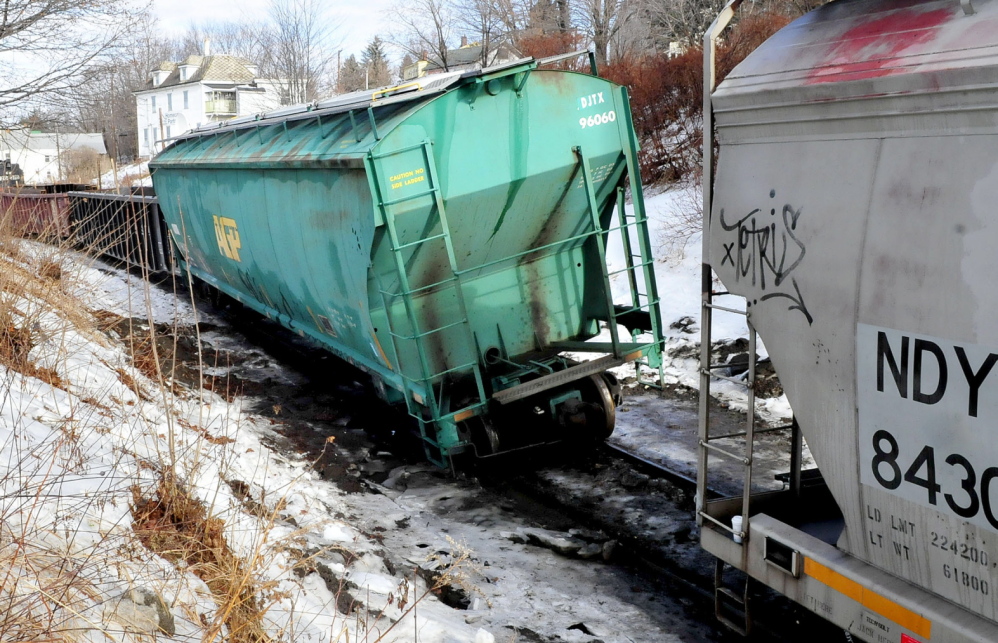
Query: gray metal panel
(929, 277)
(861, 68)
(844, 47)
(790, 240)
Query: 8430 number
(974, 497)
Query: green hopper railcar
(448, 236)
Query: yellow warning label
(409, 177)
(227, 235)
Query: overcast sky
(358, 21)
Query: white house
(45, 157)
(465, 57)
(197, 91)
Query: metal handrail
(707, 305)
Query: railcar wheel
(601, 410)
(483, 435)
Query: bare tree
(302, 49)
(46, 45)
(549, 16)
(680, 21)
(602, 21)
(495, 24)
(425, 29)
(243, 39)
(102, 100)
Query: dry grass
(177, 526)
(48, 590)
(42, 594)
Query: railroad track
(655, 469)
(675, 560)
(684, 565)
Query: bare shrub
(82, 165)
(543, 45)
(667, 98)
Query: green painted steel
(435, 242)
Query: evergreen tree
(375, 61)
(352, 76)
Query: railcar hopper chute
(449, 236)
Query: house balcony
(220, 107)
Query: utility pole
(58, 156)
(114, 142)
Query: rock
(514, 536)
(558, 542)
(591, 550)
(397, 480)
(608, 548)
(374, 466)
(472, 618)
(684, 324)
(142, 610)
(633, 480)
(589, 535)
(481, 636)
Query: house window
(47, 158)
(167, 131)
(183, 74)
(220, 102)
(169, 102)
(154, 103)
(186, 101)
(145, 135)
(155, 133)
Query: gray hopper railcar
(853, 208)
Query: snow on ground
(133, 174)
(84, 433)
(79, 445)
(678, 262)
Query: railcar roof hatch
(418, 90)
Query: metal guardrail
(129, 228)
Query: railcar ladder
(642, 263)
(419, 392)
(726, 601)
(645, 257)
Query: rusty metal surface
(35, 214)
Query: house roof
(21, 139)
(470, 55)
(215, 69)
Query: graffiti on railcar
(765, 252)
